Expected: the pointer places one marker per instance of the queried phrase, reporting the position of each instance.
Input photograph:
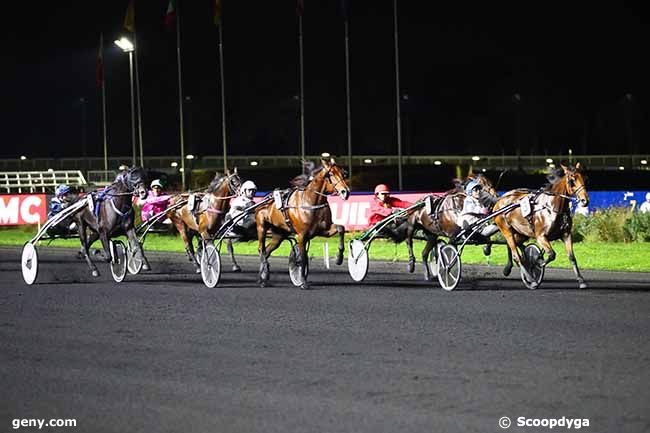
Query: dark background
(580, 73)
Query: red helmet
(382, 188)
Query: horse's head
(134, 180)
(233, 181)
(575, 183)
(486, 184)
(335, 179)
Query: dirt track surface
(160, 352)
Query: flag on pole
(99, 72)
(129, 18)
(217, 12)
(170, 15)
(300, 7)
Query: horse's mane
(216, 182)
(309, 170)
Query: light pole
(127, 46)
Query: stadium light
(549, 161)
(50, 170)
(367, 161)
(254, 163)
(644, 162)
(174, 164)
(436, 162)
(23, 157)
(325, 155)
(189, 156)
(123, 167)
(125, 44)
(621, 168)
(476, 158)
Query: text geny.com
(40, 423)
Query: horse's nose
(344, 193)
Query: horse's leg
(91, 239)
(189, 246)
(265, 271)
(303, 260)
(409, 245)
(334, 229)
(231, 251)
(512, 244)
(430, 245)
(568, 244)
(542, 240)
(85, 246)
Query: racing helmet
(249, 188)
(157, 183)
(62, 189)
(382, 188)
(471, 185)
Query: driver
(157, 201)
(243, 201)
(63, 197)
(473, 210)
(384, 205)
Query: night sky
(581, 74)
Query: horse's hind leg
(512, 244)
(334, 229)
(409, 245)
(265, 253)
(430, 245)
(85, 245)
(189, 247)
(568, 244)
(231, 251)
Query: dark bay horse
(210, 214)
(113, 216)
(550, 217)
(444, 219)
(307, 215)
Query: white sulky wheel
(357, 260)
(134, 261)
(210, 265)
(432, 262)
(118, 260)
(295, 271)
(29, 263)
(533, 275)
(450, 267)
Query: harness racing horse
(306, 215)
(549, 218)
(443, 219)
(113, 216)
(209, 216)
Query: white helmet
(248, 185)
(156, 183)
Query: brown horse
(209, 216)
(550, 217)
(306, 215)
(443, 219)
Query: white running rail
(39, 181)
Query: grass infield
(633, 256)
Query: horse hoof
(582, 285)
(411, 267)
(305, 286)
(339, 259)
(197, 270)
(146, 267)
(95, 273)
(236, 268)
(506, 271)
(263, 283)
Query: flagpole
(223, 103)
(347, 92)
(104, 133)
(302, 93)
(398, 111)
(180, 91)
(137, 91)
